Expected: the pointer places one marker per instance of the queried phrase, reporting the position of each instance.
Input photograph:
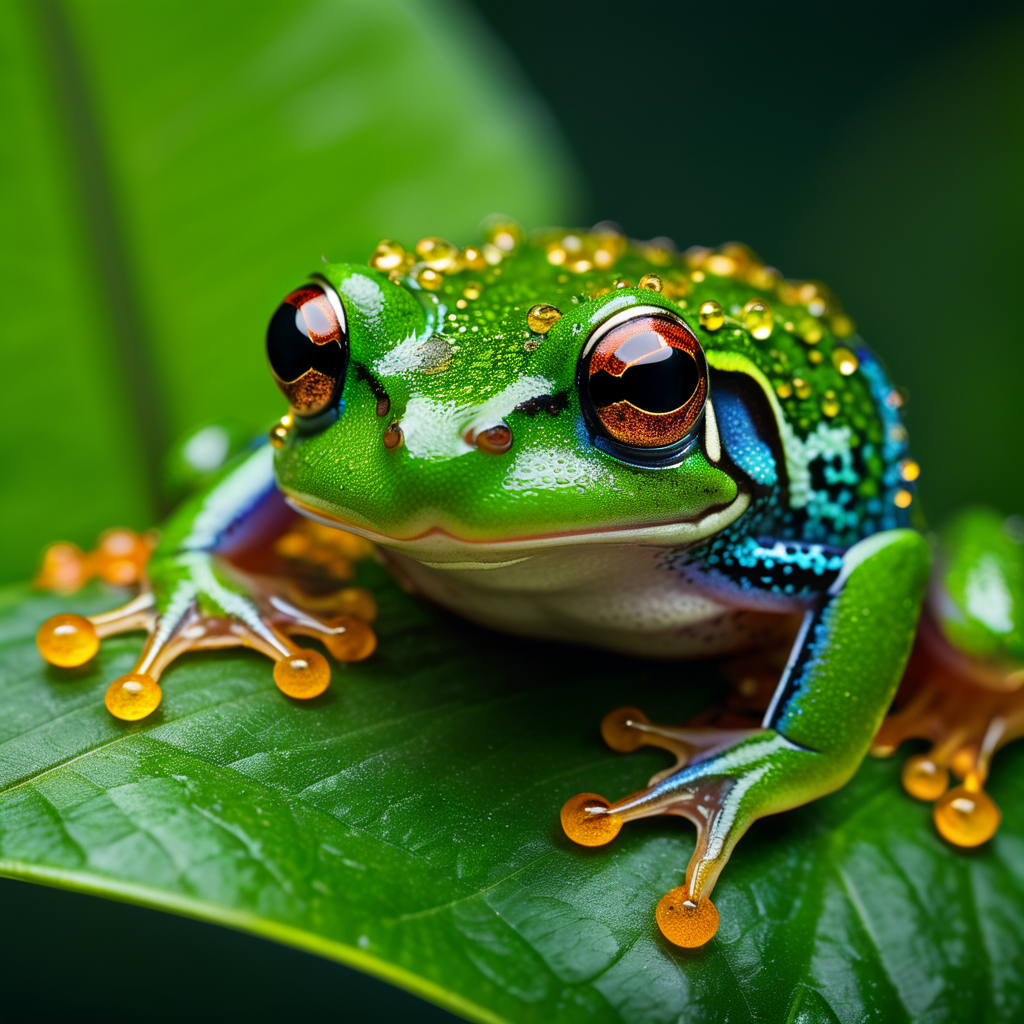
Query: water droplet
(712, 316)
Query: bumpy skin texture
(461, 439)
(831, 478)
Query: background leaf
(407, 823)
(171, 170)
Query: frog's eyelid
(621, 317)
(335, 301)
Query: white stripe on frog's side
(231, 499)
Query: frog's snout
(491, 440)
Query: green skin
(437, 498)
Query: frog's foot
(119, 558)
(320, 553)
(966, 724)
(712, 784)
(205, 608)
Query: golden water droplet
(438, 252)
(909, 470)
(685, 923)
(720, 264)
(586, 821)
(698, 276)
(845, 361)
(492, 255)
(809, 330)
(472, 290)
(696, 256)
(502, 232)
(757, 318)
(712, 316)
(784, 390)
(762, 278)
(830, 407)
(303, 675)
(133, 697)
(814, 357)
(67, 640)
(389, 255)
(608, 239)
(802, 388)
(542, 318)
(278, 435)
(556, 255)
(651, 282)
(842, 326)
(473, 257)
(430, 279)
(902, 499)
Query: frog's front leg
(195, 598)
(841, 676)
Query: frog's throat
(437, 547)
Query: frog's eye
(307, 348)
(644, 381)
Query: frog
(576, 436)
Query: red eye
(646, 381)
(307, 347)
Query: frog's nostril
(393, 436)
(494, 440)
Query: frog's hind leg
(722, 793)
(628, 729)
(835, 689)
(964, 687)
(966, 723)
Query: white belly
(607, 588)
(608, 595)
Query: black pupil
(663, 385)
(291, 353)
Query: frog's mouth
(437, 547)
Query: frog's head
(502, 396)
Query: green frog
(585, 438)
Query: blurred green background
(170, 169)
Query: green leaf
(171, 170)
(406, 823)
